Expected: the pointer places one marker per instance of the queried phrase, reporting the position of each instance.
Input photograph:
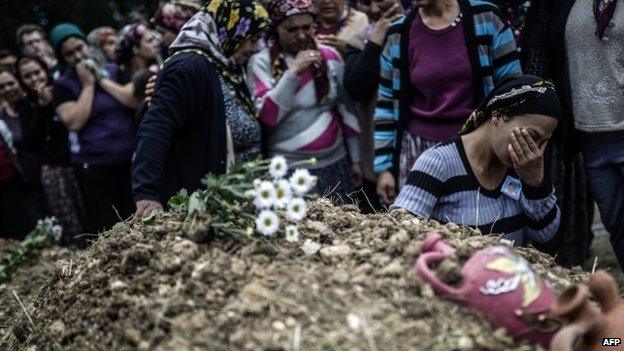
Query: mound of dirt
(347, 284)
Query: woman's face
(296, 33)
(10, 90)
(247, 49)
(330, 10)
(74, 50)
(540, 128)
(148, 46)
(32, 74)
(167, 36)
(109, 47)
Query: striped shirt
(493, 57)
(442, 186)
(298, 126)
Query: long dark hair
(31, 93)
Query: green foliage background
(88, 14)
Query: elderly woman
(202, 117)
(298, 90)
(104, 41)
(438, 64)
(340, 26)
(492, 177)
(102, 138)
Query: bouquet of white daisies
(259, 196)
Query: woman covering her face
(298, 90)
(492, 177)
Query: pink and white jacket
(298, 127)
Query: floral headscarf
(129, 38)
(218, 31)
(279, 10)
(174, 14)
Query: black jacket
(182, 136)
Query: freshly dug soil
(346, 285)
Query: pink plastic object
(496, 283)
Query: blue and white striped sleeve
(506, 59)
(386, 114)
(424, 185)
(543, 215)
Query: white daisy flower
(296, 210)
(283, 193)
(267, 223)
(292, 234)
(278, 167)
(256, 183)
(302, 182)
(265, 195)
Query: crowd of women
(498, 114)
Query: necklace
(457, 19)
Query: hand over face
(527, 157)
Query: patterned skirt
(64, 200)
(412, 147)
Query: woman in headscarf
(201, 117)
(102, 129)
(104, 41)
(137, 49)
(169, 19)
(298, 89)
(492, 177)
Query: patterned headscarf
(129, 38)
(218, 31)
(279, 10)
(518, 95)
(174, 14)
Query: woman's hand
(527, 157)
(380, 28)
(303, 60)
(386, 187)
(44, 94)
(150, 88)
(333, 41)
(87, 78)
(356, 170)
(146, 208)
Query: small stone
(132, 335)
(336, 251)
(279, 325)
(310, 247)
(118, 285)
(465, 343)
(353, 321)
(57, 330)
(394, 268)
(291, 322)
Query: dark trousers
(603, 155)
(15, 218)
(106, 193)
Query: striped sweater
(493, 57)
(297, 126)
(442, 186)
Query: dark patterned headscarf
(220, 29)
(279, 10)
(603, 11)
(129, 39)
(526, 94)
(172, 15)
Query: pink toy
(497, 284)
